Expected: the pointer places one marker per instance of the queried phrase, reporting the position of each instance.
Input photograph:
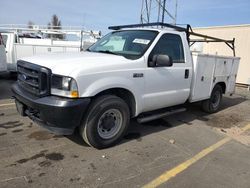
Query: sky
(99, 14)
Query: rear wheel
(105, 122)
(213, 104)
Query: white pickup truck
(21, 42)
(132, 72)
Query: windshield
(131, 44)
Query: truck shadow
(220, 120)
(76, 138)
(137, 131)
(6, 81)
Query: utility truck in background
(22, 42)
(141, 71)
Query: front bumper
(57, 114)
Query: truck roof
(149, 29)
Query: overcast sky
(99, 14)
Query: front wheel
(212, 104)
(106, 122)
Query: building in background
(241, 33)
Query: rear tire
(212, 104)
(106, 122)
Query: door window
(171, 45)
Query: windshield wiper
(107, 52)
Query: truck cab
(142, 73)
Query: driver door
(167, 86)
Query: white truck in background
(142, 71)
(22, 42)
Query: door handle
(186, 73)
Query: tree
(55, 24)
(30, 24)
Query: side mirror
(161, 61)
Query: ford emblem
(24, 76)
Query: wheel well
(125, 94)
(223, 86)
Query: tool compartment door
(203, 77)
(223, 67)
(233, 75)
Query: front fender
(136, 87)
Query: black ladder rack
(188, 30)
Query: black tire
(212, 105)
(100, 115)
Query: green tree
(55, 24)
(30, 24)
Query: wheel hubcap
(216, 99)
(109, 123)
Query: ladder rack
(188, 30)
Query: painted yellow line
(246, 128)
(8, 104)
(181, 167)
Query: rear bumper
(57, 114)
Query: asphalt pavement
(190, 149)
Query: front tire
(212, 104)
(106, 122)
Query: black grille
(34, 78)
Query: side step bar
(159, 115)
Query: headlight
(64, 86)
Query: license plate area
(20, 108)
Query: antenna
(155, 10)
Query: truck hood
(65, 63)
